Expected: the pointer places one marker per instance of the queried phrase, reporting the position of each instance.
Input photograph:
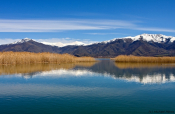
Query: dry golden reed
(143, 65)
(15, 58)
(141, 59)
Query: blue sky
(84, 20)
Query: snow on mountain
(21, 41)
(153, 37)
(60, 44)
(146, 37)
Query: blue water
(104, 88)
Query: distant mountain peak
(152, 37)
(146, 37)
(140, 45)
(22, 41)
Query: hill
(140, 45)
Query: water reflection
(142, 73)
(36, 68)
(86, 88)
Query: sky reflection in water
(145, 73)
(102, 87)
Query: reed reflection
(34, 68)
(145, 73)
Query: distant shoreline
(143, 59)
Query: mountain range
(140, 45)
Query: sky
(87, 21)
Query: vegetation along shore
(143, 59)
(14, 58)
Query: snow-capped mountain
(21, 41)
(159, 38)
(153, 37)
(140, 45)
(59, 44)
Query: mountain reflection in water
(142, 73)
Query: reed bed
(141, 59)
(142, 65)
(15, 58)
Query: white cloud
(101, 33)
(155, 29)
(58, 25)
(7, 40)
(65, 40)
(72, 24)
(54, 40)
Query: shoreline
(143, 59)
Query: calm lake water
(104, 87)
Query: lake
(103, 87)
